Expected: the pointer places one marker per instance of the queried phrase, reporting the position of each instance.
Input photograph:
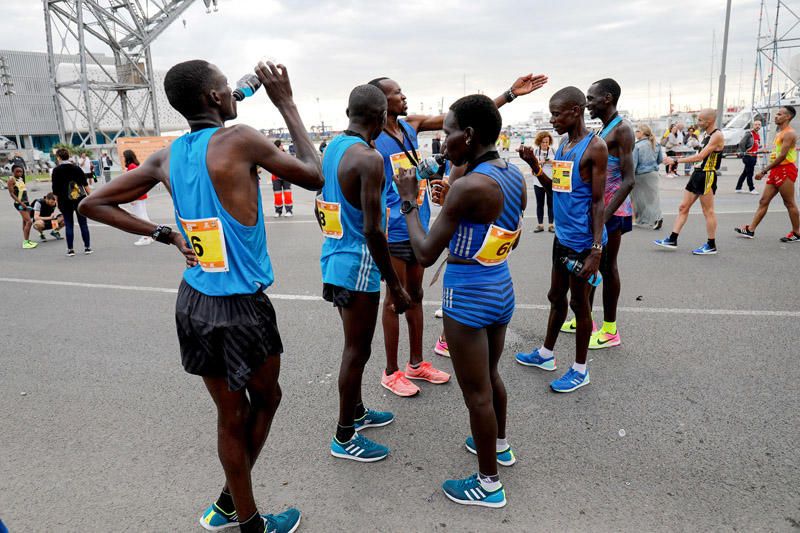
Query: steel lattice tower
(92, 88)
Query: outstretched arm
(304, 170)
(522, 86)
(104, 205)
(716, 144)
(625, 141)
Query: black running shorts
(341, 297)
(225, 336)
(403, 251)
(559, 251)
(702, 182)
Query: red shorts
(779, 175)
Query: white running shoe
(289, 214)
(438, 313)
(144, 241)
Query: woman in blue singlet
(480, 224)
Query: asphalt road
(691, 425)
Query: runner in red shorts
(781, 179)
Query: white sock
(579, 367)
(502, 445)
(545, 353)
(488, 483)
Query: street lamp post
(721, 91)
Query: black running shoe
(745, 232)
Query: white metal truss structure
(104, 97)
(776, 81)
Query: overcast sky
(440, 49)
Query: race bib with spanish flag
(496, 246)
(207, 239)
(562, 176)
(329, 219)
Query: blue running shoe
(570, 381)
(705, 250)
(470, 492)
(534, 359)
(215, 519)
(359, 449)
(373, 419)
(286, 522)
(666, 242)
(505, 458)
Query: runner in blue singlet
(227, 327)
(578, 181)
(351, 214)
(399, 147)
(480, 222)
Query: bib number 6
(503, 249)
(197, 245)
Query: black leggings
(67, 208)
(541, 192)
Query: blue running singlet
(572, 198)
(233, 258)
(481, 294)
(345, 259)
(395, 156)
(614, 176)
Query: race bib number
(423, 188)
(207, 239)
(400, 161)
(496, 246)
(329, 219)
(562, 176)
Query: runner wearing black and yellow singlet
(702, 185)
(704, 177)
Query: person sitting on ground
(45, 216)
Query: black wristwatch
(406, 207)
(162, 234)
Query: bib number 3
(207, 239)
(328, 217)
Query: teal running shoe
(470, 492)
(286, 522)
(536, 359)
(373, 419)
(215, 519)
(359, 449)
(505, 458)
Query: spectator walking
(544, 154)
(70, 187)
(646, 197)
(86, 166)
(138, 206)
(749, 146)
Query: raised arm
(428, 248)
(104, 205)
(371, 190)
(522, 86)
(304, 170)
(527, 155)
(625, 141)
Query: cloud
(440, 50)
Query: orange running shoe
(428, 373)
(398, 384)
